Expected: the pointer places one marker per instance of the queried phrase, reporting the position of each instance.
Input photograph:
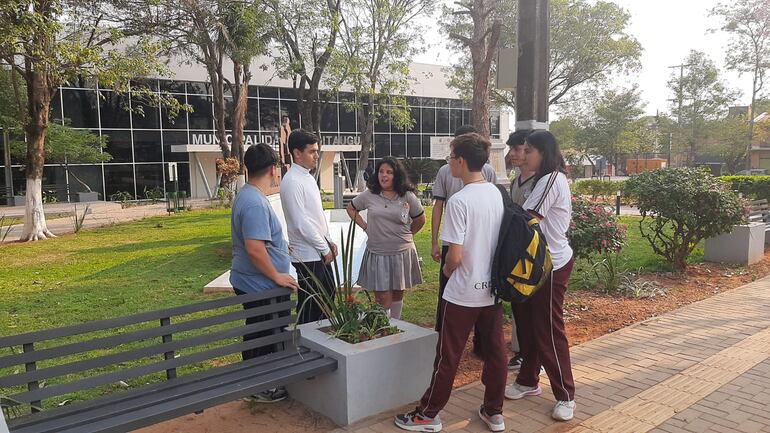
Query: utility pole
(7, 163)
(532, 86)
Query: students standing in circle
(541, 318)
(394, 214)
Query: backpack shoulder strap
(551, 180)
(507, 202)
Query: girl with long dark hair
(541, 319)
(394, 214)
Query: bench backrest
(145, 347)
(760, 211)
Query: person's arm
(435, 225)
(355, 215)
(257, 252)
(417, 224)
(453, 258)
(297, 217)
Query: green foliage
(421, 170)
(752, 187)
(154, 194)
(78, 219)
(682, 206)
(594, 230)
(603, 190)
(6, 224)
(121, 196)
(351, 320)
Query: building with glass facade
(142, 145)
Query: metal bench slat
(118, 398)
(144, 352)
(142, 370)
(199, 401)
(144, 334)
(99, 325)
(89, 414)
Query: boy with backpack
(472, 227)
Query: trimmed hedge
(752, 187)
(597, 189)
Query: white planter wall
(745, 244)
(371, 377)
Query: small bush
(154, 194)
(597, 189)
(121, 196)
(680, 207)
(752, 187)
(594, 230)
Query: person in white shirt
(541, 319)
(444, 187)
(310, 245)
(472, 227)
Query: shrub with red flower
(594, 230)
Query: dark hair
(465, 129)
(546, 143)
(473, 148)
(299, 139)
(519, 137)
(401, 182)
(258, 159)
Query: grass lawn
(163, 262)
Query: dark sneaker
(515, 363)
(494, 422)
(416, 421)
(272, 395)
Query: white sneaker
(516, 391)
(564, 410)
(494, 422)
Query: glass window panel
(145, 116)
(54, 183)
(346, 97)
(455, 119)
(347, 118)
(288, 93)
(55, 113)
(398, 145)
(494, 124)
(329, 117)
(269, 114)
(119, 177)
(428, 120)
(114, 109)
(199, 88)
(427, 102)
(119, 145)
(253, 92)
(148, 177)
(442, 121)
(414, 113)
(466, 117)
(172, 86)
(178, 122)
(413, 147)
(268, 92)
(426, 145)
(381, 145)
(442, 102)
(290, 108)
(183, 171)
(252, 115)
(80, 108)
(382, 123)
(229, 106)
(147, 146)
(202, 116)
(171, 138)
(145, 84)
(91, 175)
(413, 101)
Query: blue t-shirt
(253, 218)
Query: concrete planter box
(371, 377)
(745, 245)
(87, 196)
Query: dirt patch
(589, 315)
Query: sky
(667, 30)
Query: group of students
(471, 206)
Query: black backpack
(522, 261)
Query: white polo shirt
(306, 224)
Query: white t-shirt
(446, 185)
(473, 217)
(551, 198)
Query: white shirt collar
(299, 168)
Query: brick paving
(702, 368)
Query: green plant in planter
(351, 318)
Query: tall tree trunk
(242, 76)
(366, 119)
(750, 134)
(38, 106)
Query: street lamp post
(532, 84)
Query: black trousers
(262, 350)
(442, 280)
(308, 310)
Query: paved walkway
(100, 214)
(702, 368)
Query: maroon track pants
(543, 338)
(457, 323)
